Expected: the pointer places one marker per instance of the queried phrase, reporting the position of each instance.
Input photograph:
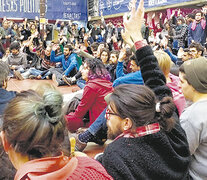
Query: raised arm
(153, 77)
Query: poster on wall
(109, 7)
(55, 9)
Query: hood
(61, 168)
(100, 83)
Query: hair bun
(51, 108)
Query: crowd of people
(143, 87)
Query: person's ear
(127, 124)
(5, 143)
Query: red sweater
(62, 168)
(92, 101)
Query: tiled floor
(16, 85)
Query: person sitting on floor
(69, 64)
(97, 86)
(17, 60)
(33, 131)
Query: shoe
(32, 76)
(79, 146)
(18, 75)
(54, 79)
(67, 80)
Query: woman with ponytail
(32, 136)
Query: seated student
(5, 96)
(69, 64)
(33, 130)
(149, 141)
(98, 85)
(7, 170)
(17, 60)
(172, 81)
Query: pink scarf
(194, 24)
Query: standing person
(32, 136)
(69, 64)
(6, 34)
(197, 29)
(149, 141)
(98, 85)
(193, 83)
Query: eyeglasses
(108, 113)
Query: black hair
(14, 45)
(198, 47)
(140, 106)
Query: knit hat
(196, 73)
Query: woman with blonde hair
(172, 81)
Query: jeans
(81, 83)
(99, 123)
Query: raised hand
(133, 23)
(126, 37)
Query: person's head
(131, 106)
(186, 56)
(193, 77)
(93, 69)
(48, 51)
(164, 61)
(114, 55)
(104, 55)
(196, 50)
(68, 49)
(95, 24)
(33, 126)
(198, 16)
(14, 48)
(133, 65)
(180, 20)
(33, 26)
(4, 69)
(15, 26)
(94, 48)
(5, 24)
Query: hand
(134, 22)
(153, 15)
(122, 55)
(89, 18)
(55, 47)
(126, 37)
(180, 53)
(160, 15)
(114, 39)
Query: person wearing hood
(98, 85)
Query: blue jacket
(5, 97)
(131, 78)
(68, 64)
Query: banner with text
(109, 7)
(55, 9)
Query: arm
(55, 59)
(72, 65)
(190, 38)
(86, 102)
(153, 77)
(119, 70)
(173, 57)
